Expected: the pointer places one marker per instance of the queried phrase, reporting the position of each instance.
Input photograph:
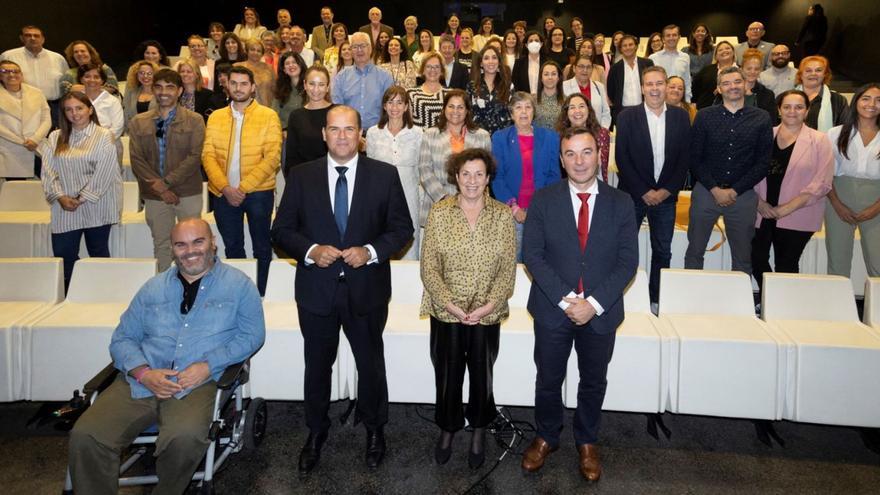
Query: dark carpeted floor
(703, 455)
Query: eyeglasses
(583, 67)
(359, 46)
(780, 54)
(145, 74)
(10, 71)
(432, 67)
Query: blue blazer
(635, 155)
(552, 254)
(545, 160)
(378, 216)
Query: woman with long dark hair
(578, 112)
(700, 48)
(289, 86)
(855, 193)
(82, 182)
(453, 27)
(152, 51)
(489, 91)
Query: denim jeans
(66, 246)
(661, 224)
(258, 207)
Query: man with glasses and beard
(181, 331)
(780, 77)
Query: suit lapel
(599, 225)
(801, 146)
(323, 195)
(564, 208)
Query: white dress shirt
(862, 162)
(233, 171)
(593, 190)
(657, 129)
(676, 63)
(109, 112)
(632, 85)
(332, 178)
(43, 70)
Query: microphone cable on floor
(502, 428)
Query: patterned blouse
(489, 113)
(404, 73)
(547, 112)
(469, 268)
(425, 107)
(87, 169)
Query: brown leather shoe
(536, 454)
(590, 466)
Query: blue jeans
(66, 246)
(661, 222)
(258, 207)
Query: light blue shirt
(225, 325)
(362, 89)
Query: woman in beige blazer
(24, 122)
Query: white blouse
(88, 170)
(862, 162)
(110, 114)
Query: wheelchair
(238, 425)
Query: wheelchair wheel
(254, 424)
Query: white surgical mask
(534, 47)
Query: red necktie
(583, 228)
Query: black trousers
(788, 245)
(552, 348)
(453, 347)
(364, 334)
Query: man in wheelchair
(181, 331)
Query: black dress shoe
(375, 448)
(441, 453)
(311, 452)
(477, 452)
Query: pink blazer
(810, 171)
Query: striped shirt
(88, 170)
(425, 107)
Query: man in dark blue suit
(580, 264)
(652, 163)
(342, 217)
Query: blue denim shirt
(225, 325)
(362, 89)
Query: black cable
(500, 428)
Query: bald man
(181, 331)
(754, 39)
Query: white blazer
(599, 99)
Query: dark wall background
(115, 28)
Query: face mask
(534, 47)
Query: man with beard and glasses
(730, 153)
(780, 77)
(241, 156)
(181, 331)
(166, 158)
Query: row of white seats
(808, 360)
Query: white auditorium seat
(29, 288)
(515, 372)
(23, 195)
(131, 197)
(407, 339)
(872, 302)
(833, 378)
(638, 374)
(277, 370)
(727, 362)
(248, 266)
(69, 345)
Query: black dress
(304, 139)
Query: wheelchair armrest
(233, 375)
(100, 381)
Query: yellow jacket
(260, 148)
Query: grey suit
(765, 46)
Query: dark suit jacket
(519, 76)
(460, 77)
(383, 28)
(553, 257)
(378, 215)
(615, 80)
(635, 156)
(204, 103)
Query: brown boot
(590, 466)
(536, 454)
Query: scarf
(826, 113)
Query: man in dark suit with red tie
(342, 217)
(580, 246)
